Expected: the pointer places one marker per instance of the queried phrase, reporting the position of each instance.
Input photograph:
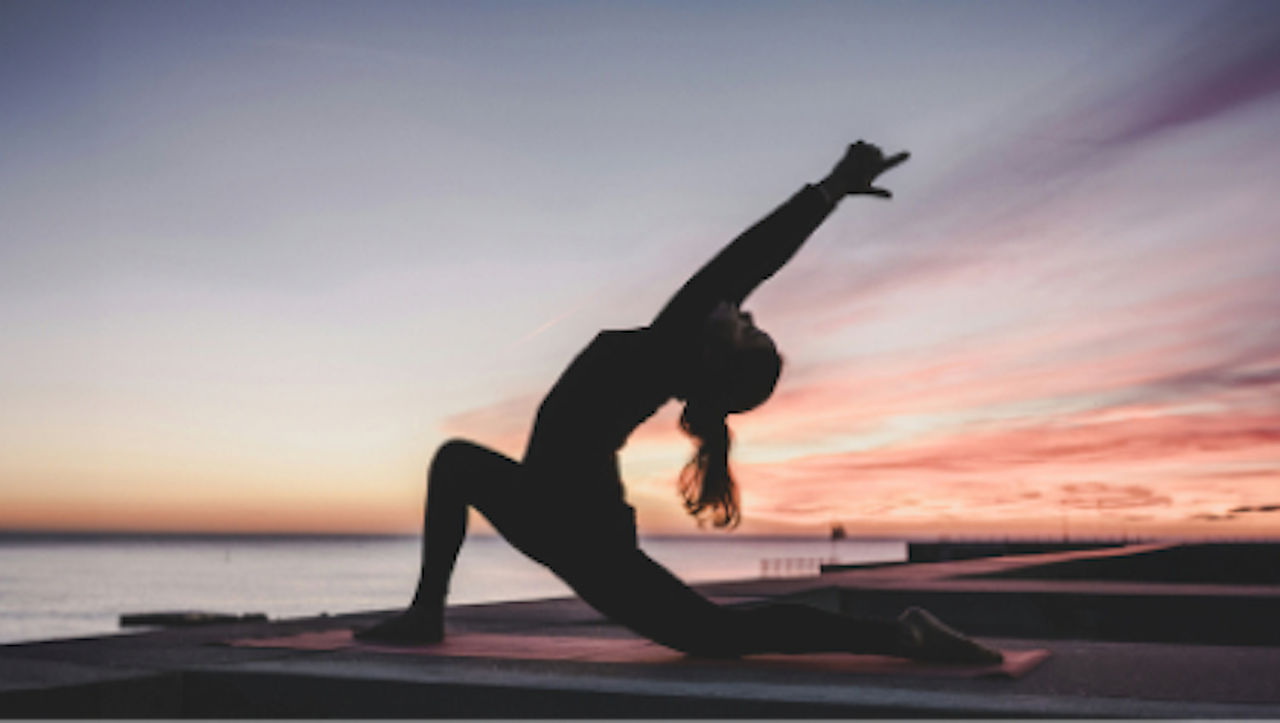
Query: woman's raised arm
(764, 248)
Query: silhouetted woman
(563, 504)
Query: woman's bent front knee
(477, 476)
(451, 456)
(461, 458)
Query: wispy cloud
(1103, 463)
(502, 425)
(1226, 63)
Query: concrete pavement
(1093, 671)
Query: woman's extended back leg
(642, 595)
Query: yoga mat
(632, 650)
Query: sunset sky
(259, 259)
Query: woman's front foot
(924, 637)
(418, 625)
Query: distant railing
(793, 566)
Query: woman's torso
(617, 382)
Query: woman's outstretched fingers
(861, 165)
(885, 165)
(895, 159)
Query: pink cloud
(1101, 464)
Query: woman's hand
(859, 168)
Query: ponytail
(705, 482)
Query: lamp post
(837, 533)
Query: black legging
(618, 580)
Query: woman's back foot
(414, 626)
(924, 637)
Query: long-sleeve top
(624, 376)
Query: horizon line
(36, 534)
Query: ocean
(73, 586)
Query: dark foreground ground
(1169, 631)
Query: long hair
(705, 482)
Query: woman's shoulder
(640, 339)
(637, 335)
(643, 345)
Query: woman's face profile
(739, 358)
(731, 329)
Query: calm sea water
(75, 586)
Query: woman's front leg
(461, 475)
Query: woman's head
(737, 371)
(740, 363)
